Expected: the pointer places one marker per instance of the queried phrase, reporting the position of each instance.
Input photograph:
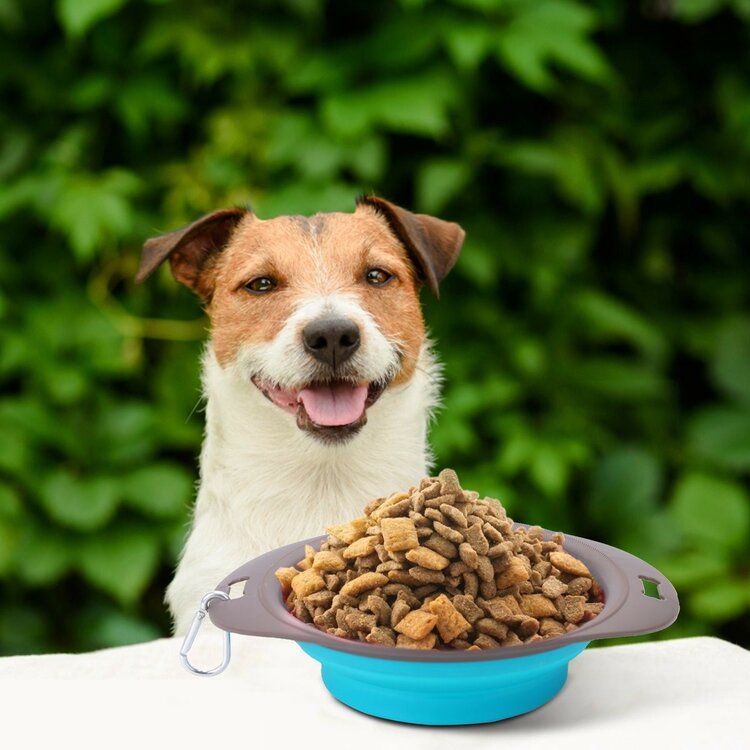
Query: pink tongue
(334, 405)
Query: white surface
(690, 693)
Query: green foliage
(595, 331)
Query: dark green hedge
(595, 332)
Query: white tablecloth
(671, 695)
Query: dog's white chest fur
(265, 483)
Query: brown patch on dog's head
(306, 258)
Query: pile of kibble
(438, 567)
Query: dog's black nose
(331, 340)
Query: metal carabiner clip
(187, 644)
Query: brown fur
(325, 254)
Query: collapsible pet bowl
(445, 686)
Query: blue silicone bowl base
(436, 693)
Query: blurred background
(595, 332)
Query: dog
(318, 376)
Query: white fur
(265, 483)
(285, 362)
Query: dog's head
(321, 314)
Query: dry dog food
(438, 567)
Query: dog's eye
(260, 285)
(377, 276)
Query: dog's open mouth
(332, 410)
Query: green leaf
(78, 16)
(417, 105)
(43, 556)
(84, 504)
(120, 561)
(721, 435)
(124, 432)
(439, 181)
(551, 31)
(10, 502)
(625, 489)
(616, 379)
(731, 366)
(691, 569)
(8, 542)
(468, 42)
(606, 318)
(720, 601)
(696, 11)
(90, 209)
(159, 490)
(711, 511)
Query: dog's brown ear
(191, 249)
(432, 243)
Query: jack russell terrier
(318, 376)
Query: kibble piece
(361, 547)
(401, 508)
(458, 568)
(284, 577)
(485, 571)
(515, 573)
(427, 558)
(350, 532)
(373, 505)
(360, 621)
(487, 589)
(399, 610)
(544, 568)
(322, 598)
(572, 608)
(452, 535)
(383, 509)
(399, 534)
(476, 538)
(569, 564)
(554, 587)
(326, 562)
(453, 515)
(380, 608)
(381, 636)
(425, 591)
(466, 606)
(417, 624)
(307, 582)
(471, 584)
(306, 563)
(527, 627)
(419, 519)
(488, 626)
(365, 582)
(511, 639)
(428, 642)
(550, 626)
(485, 641)
(425, 575)
(468, 555)
(537, 605)
(442, 546)
(388, 565)
(430, 490)
(450, 622)
(579, 586)
(449, 482)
